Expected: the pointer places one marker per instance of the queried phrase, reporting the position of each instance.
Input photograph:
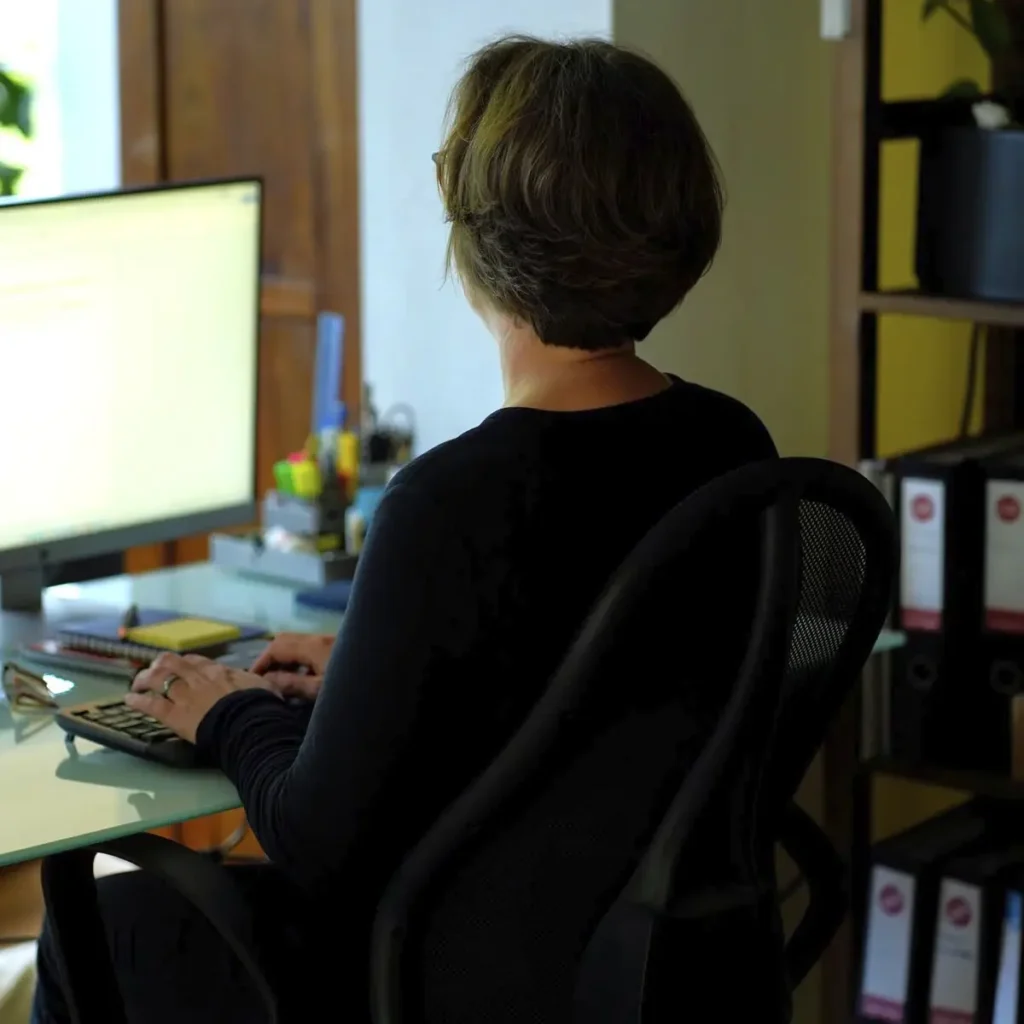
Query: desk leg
(216, 831)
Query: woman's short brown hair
(582, 194)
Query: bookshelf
(862, 123)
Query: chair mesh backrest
(497, 934)
(833, 574)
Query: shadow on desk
(107, 768)
(23, 724)
(26, 726)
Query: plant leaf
(991, 26)
(15, 104)
(930, 7)
(963, 89)
(9, 179)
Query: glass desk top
(55, 796)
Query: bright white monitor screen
(128, 347)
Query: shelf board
(910, 303)
(982, 784)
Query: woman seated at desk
(584, 204)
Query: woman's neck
(558, 379)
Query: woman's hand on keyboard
(179, 690)
(295, 655)
(294, 684)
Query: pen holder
(304, 518)
(316, 560)
(247, 554)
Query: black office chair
(623, 837)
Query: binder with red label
(1003, 588)
(940, 678)
(902, 904)
(969, 928)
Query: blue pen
(330, 356)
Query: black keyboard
(113, 724)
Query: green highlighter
(283, 480)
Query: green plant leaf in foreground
(991, 26)
(930, 7)
(963, 89)
(15, 104)
(9, 179)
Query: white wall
(759, 78)
(421, 342)
(88, 95)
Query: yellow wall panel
(922, 363)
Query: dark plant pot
(970, 217)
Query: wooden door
(215, 88)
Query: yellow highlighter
(348, 459)
(306, 479)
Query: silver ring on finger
(165, 690)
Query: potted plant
(970, 234)
(15, 112)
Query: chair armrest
(69, 889)
(827, 884)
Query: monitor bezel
(118, 540)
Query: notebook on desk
(155, 631)
(240, 654)
(100, 644)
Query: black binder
(940, 678)
(1003, 561)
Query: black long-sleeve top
(482, 561)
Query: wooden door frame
(841, 751)
(143, 158)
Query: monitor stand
(21, 590)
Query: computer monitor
(128, 373)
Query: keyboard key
(160, 733)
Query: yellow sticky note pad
(184, 634)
